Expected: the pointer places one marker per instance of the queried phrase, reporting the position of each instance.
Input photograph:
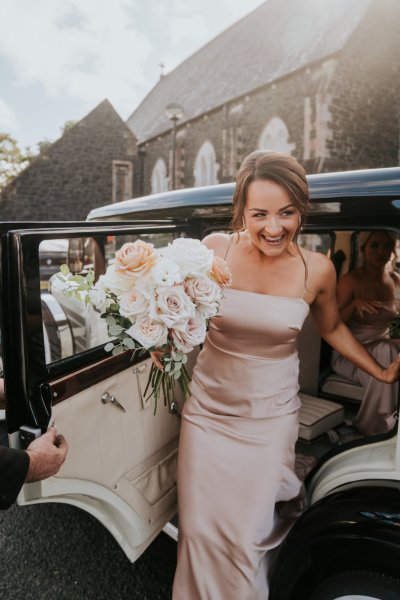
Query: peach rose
(220, 272)
(135, 259)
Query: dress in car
(379, 402)
(236, 473)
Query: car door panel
(121, 462)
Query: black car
(121, 463)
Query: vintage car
(121, 461)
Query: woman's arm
(347, 302)
(327, 318)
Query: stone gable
(76, 173)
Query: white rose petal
(98, 296)
(166, 272)
(117, 283)
(193, 257)
(132, 304)
(148, 333)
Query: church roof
(277, 38)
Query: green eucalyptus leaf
(108, 347)
(117, 350)
(115, 329)
(129, 343)
(65, 270)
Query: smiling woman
(240, 424)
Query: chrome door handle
(108, 398)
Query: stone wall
(341, 113)
(365, 94)
(75, 174)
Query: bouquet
(156, 300)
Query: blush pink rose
(205, 293)
(193, 335)
(172, 306)
(148, 333)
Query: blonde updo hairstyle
(281, 168)
(365, 236)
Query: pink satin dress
(237, 449)
(379, 402)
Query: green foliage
(13, 160)
(67, 126)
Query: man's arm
(14, 465)
(42, 459)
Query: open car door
(121, 460)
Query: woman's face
(378, 249)
(271, 217)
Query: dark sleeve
(14, 466)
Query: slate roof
(278, 37)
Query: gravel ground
(52, 551)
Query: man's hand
(46, 455)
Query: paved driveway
(57, 551)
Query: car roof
(324, 188)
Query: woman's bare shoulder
(321, 272)
(318, 262)
(217, 242)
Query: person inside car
(366, 299)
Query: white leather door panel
(117, 461)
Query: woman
(240, 424)
(366, 299)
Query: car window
(316, 242)
(69, 326)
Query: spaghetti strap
(227, 249)
(305, 276)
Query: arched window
(276, 137)
(205, 166)
(159, 180)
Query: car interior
(329, 401)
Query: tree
(67, 126)
(13, 160)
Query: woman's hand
(370, 307)
(156, 358)
(392, 373)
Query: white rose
(166, 272)
(117, 283)
(172, 306)
(98, 296)
(148, 333)
(132, 304)
(193, 257)
(193, 335)
(205, 293)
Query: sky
(60, 58)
